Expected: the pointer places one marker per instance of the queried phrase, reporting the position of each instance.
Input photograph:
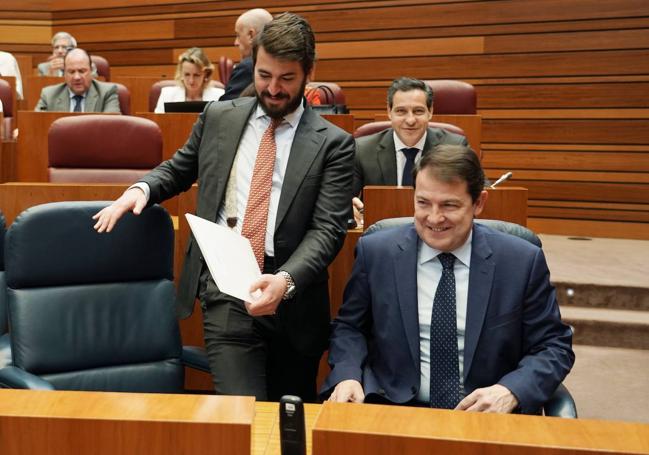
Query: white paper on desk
(229, 257)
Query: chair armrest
(15, 378)
(5, 350)
(195, 357)
(561, 404)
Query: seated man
(80, 92)
(387, 157)
(9, 67)
(62, 42)
(447, 313)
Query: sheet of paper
(229, 257)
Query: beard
(278, 112)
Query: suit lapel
(227, 143)
(90, 103)
(405, 276)
(386, 160)
(307, 143)
(481, 277)
(62, 99)
(433, 138)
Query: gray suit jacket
(375, 162)
(311, 217)
(101, 97)
(44, 69)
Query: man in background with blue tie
(275, 171)
(387, 157)
(446, 313)
(80, 92)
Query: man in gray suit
(270, 346)
(80, 92)
(387, 157)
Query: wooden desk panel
(60, 422)
(33, 85)
(176, 128)
(344, 121)
(346, 428)
(139, 87)
(507, 203)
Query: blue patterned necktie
(444, 361)
(410, 154)
(77, 103)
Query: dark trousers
(252, 355)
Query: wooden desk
(265, 430)
(471, 124)
(60, 422)
(506, 203)
(139, 88)
(33, 85)
(346, 428)
(344, 121)
(175, 127)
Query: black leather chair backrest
(94, 311)
(499, 225)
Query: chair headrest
(7, 97)
(453, 97)
(104, 141)
(55, 244)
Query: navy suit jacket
(240, 78)
(514, 334)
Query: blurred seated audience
(193, 74)
(248, 25)
(9, 67)
(62, 42)
(80, 92)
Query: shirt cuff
(144, 187)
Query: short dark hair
(453, 162)
(287, 37)
(405, 84)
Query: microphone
(501, 179)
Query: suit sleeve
(111, 101)
(42, 104)
(348, 345)
(327, 227)
(547, 343)
(359, 176)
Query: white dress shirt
(429, 272)
(401, 158)
(176, 93)
(9, 67)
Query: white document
(229, 257)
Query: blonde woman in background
(193, 74)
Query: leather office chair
(561, 403)
(102, 148)
(453, 97)
(124, 99)
(90, 311)
(375, 127)
(156, 88)
(5, 348)
(226, 65)
(102, 65)
(7, 98)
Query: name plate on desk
(349, 428)
(98, 423)
(505, 203)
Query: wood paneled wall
(563, 86)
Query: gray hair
(64, 35)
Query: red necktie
(256, 217)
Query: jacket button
(381, 392)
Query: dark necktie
(444, 362)
(406, 177)
(77, 103)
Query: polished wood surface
(33, 87)
(176, 128)
(139, 87)
(266, 432)
(503, 203)
(344, 121)
(66, 422)
(346, 428)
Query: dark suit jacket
(375, 162)
(101, 97)
(311, 217)
(240, 78)
(514, 334)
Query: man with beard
(295, 222)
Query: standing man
(80, 92)
(278, 173)
(248, 25)
(447, 313)
(387, 157)
(62, 42)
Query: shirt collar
(398, 145)
(292, 118)
(462, 253)
(72, 94)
